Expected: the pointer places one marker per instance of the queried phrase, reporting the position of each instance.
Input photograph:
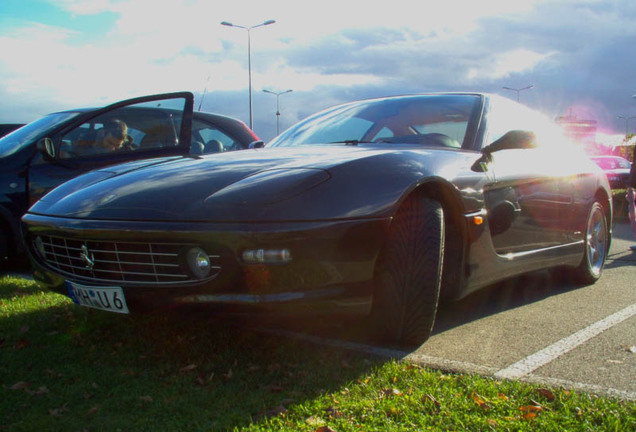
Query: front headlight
(198, 262)
(268, 187)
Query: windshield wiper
(353, 142)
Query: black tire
(408, 274)
(595, 247)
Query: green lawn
(66, 368)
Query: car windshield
(22, 137)
(423, 119)
(613, 163)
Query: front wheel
(596, 243)
(408, 274)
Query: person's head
(115, 134)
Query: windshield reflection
(420, 119)
(24, 136)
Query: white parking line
(540, 358)
(450, 365)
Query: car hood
(245, 185)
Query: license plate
(104, 298)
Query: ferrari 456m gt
(379, 206)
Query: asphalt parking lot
(537, 330)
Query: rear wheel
(596, 241)
(408, 274)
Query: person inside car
(113, 137)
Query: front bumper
(331, 268)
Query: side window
(505, 115)
(129, 129)
(99, 136)
(207, 138)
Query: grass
(63, 367)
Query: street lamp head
(225, 23)
(268, 22)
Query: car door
(529, 203)
(149, 127)
(530, 195)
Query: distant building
(581, 131)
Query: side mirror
(47, 148)
(515, 139)
(256, 144)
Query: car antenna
(205, 89)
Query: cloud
(575, 52)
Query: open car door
(140, 128)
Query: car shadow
(500, 297)
(491, 300)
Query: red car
(616, 169)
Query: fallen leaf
(391, 412)
(529, 416)
(333, 412)
(57, 412)
(41, 391)
(93, 410)
(531, 408)
(546, 393)
(390, 392)
(280, 409)
(314, 421)
(228, 375)
(20, 385)
(480, 401)
(145, 398)
(188, 368)
(431, 398)
(21, 344)
(502, 396)
(324, 429)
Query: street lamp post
(277, 106)
(518, 90)
(627, 119)
(249, 57)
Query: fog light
(39, 246)
(199, 262)
(267, 256)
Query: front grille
(109, 261)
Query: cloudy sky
(580, 55)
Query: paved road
(534, 329)
(538, 330)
